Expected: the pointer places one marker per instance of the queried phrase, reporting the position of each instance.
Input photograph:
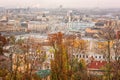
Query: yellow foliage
(38, 51)
(81, 43)
(51, 50)
(104, 44)
(83, 63)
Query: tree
(74, 46)
(23, 58)
(4, 63)
(59, 66)
(12, 40)
(79, 70)
(116, 63)
(108, 34)
(65, 66)
(3, 42)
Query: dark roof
(99, 24)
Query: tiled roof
(96, 64)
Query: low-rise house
(95, 67)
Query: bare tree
(116, 63)
(108, 34)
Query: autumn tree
(63, 65)
(3, 42)
(107, 34)
(116, 63)
(4, 63)
(59, 66)
(79, 70)
(74, 46)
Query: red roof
(96, 64)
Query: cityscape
(60, 40)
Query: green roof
(43, 73)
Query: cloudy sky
(65, 3)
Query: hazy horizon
(56, 3)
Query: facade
(37, 26)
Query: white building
(37, 26)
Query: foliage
(3, 42)
(79, 70)
(59, 66)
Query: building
(96, 67)
(37, 26)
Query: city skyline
(56, 3)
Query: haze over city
(59, 39)
(56, 3)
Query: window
(80, 56)
(111, 57)
(40, 68)
(77, 56)
(47, 67)
(83, 56)
(115, 57)
(118, 58)
(86, 56)
(103, 57)
(95, 56)
(99, 56)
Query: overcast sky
(65, 3)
